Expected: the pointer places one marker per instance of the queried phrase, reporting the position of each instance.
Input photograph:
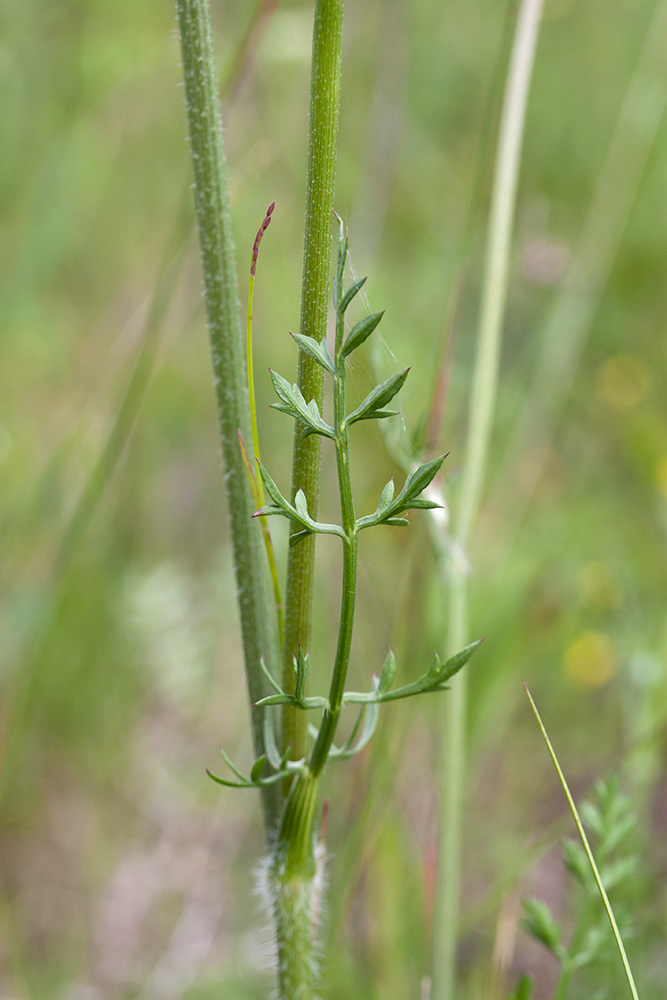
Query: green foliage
(524, 989)
(388, 512)
(435, 678)
(111, 703)
(611, 823)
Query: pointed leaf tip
(361, 332)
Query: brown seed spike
(260, 232)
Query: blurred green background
(124, 871)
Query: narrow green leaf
(270, 744)
(409, 498)
(433, 680)
(301, 505)
(457, 661)
(231, 765)
(243, 782)
(378, 397)
(293, 403)
(592, 818)
(621, 828)
(369, 715)
(301, 667)
(317, 527)
(290, 699)
(386, 497)
(257, 769)
(435, 668)
(421, 503)
(298, 513)
(540, 923)
(318, 352)
(388, 672)
(298, 536)
(272, 489)
(360, 333)
(275, 699)
(269, 676)
(383, 506)
(342, 255)
(270, 510)
(524, 989)
(282, 386)
(378, 415)
(227, 783)
(576, 862)
(619, 871)
(350, 293)
(419, 479)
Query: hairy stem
(295, 869)
(324, 105)
(482, 403)
(294, 889)
(258, 619)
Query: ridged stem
(315, 292)
(295, 884)
(258, 618)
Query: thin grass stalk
(589, 855)
(315, 298)
(482, 403)
(570, 320)
(258, 618)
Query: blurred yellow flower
(591, 660)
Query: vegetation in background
(120, 669)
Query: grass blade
(587, 849)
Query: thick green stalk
(258, 619)
(482, 403)
(324, 105)
(294, 887)
(296, 881)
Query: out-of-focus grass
(123, 872)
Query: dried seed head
(260, 232)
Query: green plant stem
(294, 867)
(482, 403)
(324, 106)
(570, 320)
(293, 888)
(258, 619)
(331, 715)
